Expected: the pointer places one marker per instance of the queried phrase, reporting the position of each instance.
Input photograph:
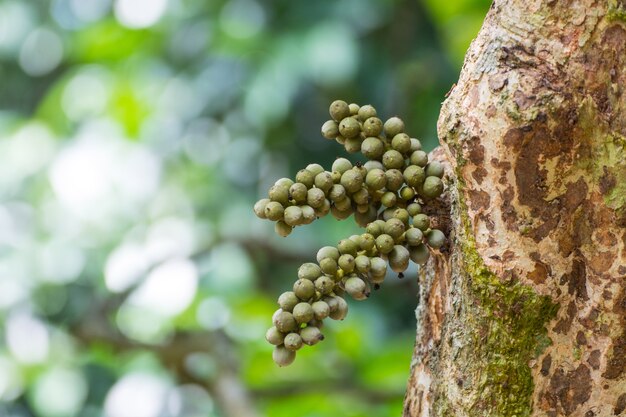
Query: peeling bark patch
(607, 181)
(620, 405)
(576, 280)
(479, 200)
(594, 359)
(546, 363)
(569, 389)
(565, 323)
(616, 365)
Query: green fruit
(341, 311)
(416, 145)
(402, 215)
(346, 262)
(324, 181)
(329, 266)
(393, 126)
(315, 197)
(421, 221)
(279, 194)
(398, 258)
(374, 229)
(285, 322)
(388, 213)
(274, 337)
(357, 288)
(376, 179)
(293, 216)
(366, 111)
(284, 182)
(282, 229)
(434, 169)
(419, 158)
(367, 241)
(389, 199)
(352, 145)
(413, 209)
(293, 342)
(298, 192)
(407, 193)
(303, 312)
(372, 148)
(363, 219)
(321, 310)
(378, 266)
(306, 177)
(327, 252)
(393, 159)
(325, 285)
(330, 129)
(274, 211)
(259, 207)
(394, 228)
(345, 204)
(419, 254)
(338, 110)
(314, 169)
(384, 243)
(341, 165)
(340, 140)
(362, 264)
(308, 214)
(341, 214)
(287, 301)
(395, 180)
(435, 238)
(352, 180)
(370, 165)
(401, 143)
(349, 128)
(361, 197)
(414, 175)
(347, 246)
(309, 271)
(432, 188)
(332, 302)
(414, 236)
(354, 109)
(311, 335)
(337, 193)
(283, 356)
(372, 126)
(304, 289)
(323, 210)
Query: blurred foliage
(136, 136)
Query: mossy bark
(524, 314)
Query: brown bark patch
(594, 359)
(569, 389)
(616, 365)
(576, 280)
(620, 405)
(546, 363)
(563, 325)
(479, 200)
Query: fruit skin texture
(282, 356)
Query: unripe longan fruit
(315, 197)
(414, 209)
(357, 288)
(367, 241)
(401, 143)
(293, 216)
(298, 192)
(394, 228)
(285, 322)
(347, 246)
(354, 109)
(372, 126)
(398, 258)
(315, 169)
(341, 165)
(329, 266)
(293, 342)
(434, 169)
(324, 181)
(349, 127)
(370, 165)
(274, 337)
(419, 158)
(414, 175)
(384, 243)
(378, 266)
(323, 210)
(337, 192)
(346, 262)
(395, 180)
(402, 215)
(283, 356)
(309, 271)
(311, 335)
(259, 208)
(327, 252)
(432, 188)
(303, 312)
(419, 254)
(363, 219)
(407, 193)
(284, 182)
(416, 145)
(376, 179)
(366, 111)
(341, 311)
(345, 204)
(279, 194)
(352, 145)
(330, 129)
(341, 214)
(421, 221)
(325, 285)
(393, 159)
(352, 180)
(414, 236)
(393, 126)
(372, 148)
(308, 214)
(338, 110)
(304, 289)
(287, 301)
(332, 302)
(362, 264)
(435, 238)
(374, 229)
(282, 229)
(389, 199)
(321, 310)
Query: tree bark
(524, 314)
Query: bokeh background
(135, 136)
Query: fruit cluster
(386, 195)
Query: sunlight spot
(137, 14)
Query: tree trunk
(525, 313)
